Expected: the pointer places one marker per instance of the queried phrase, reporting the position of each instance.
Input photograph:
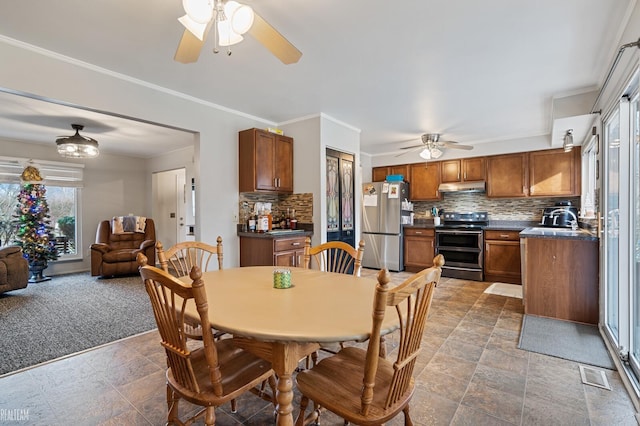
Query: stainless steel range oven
(460, 240)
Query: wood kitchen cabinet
(507, 175)
(419, 248)
(560, 278)
(553, 172)
(425, 180)
(463, 170)
(264, 251)
(379, 174)
(502, 256)
(265, 162)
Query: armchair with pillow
(118, 241)
(14, 269)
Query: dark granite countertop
(277, 234)
(510, 225)
(558, 233)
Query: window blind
(53, 173)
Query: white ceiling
(475, 71)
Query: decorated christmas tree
(34, 224)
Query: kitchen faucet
(574, 222)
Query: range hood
(475, 186)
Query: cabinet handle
(295, 244)
(504, 236)
(458, 175)
(418, 232)
(465, 175)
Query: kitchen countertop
(558, 233)
(277, 234)
(506, 225)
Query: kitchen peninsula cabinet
(502, 256)
(379, 174)
(462, 170)
(265, 162)
(425, 180)
(560, 277)
(419, 248)
(264, 250)
(553, 172)
(507, 175)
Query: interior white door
(169, 206)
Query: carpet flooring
(68, 314)
(564, 339)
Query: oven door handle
(459, 231)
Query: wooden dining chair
(212, 374)
(334, 256)
(180, 258)
(366, 389)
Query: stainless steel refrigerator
(382, 219)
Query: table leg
(285, 360)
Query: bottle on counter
(263, 222)
(288, 219)
(269, 220)
(293, 222)
(252, 223)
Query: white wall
(312, 136)
(215, 156)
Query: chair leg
(172, 406)
(234, 406)
(407, 417)
(304, 401)
(210, 416)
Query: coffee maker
(561, 215)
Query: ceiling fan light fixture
(425, 154)
(436, 153)
(199, 11)
(241, 18)
(226, 36)
(77, 146)
(196, 28)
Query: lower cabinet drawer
(282, 244)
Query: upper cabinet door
(379, 174)
(284, 163)
(425, 180)
(554, 173)
(451, 171)
(474, 169)
(507, 175)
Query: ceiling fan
(231, 20)
(432, 146)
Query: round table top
(320, 306)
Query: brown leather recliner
(115, 254)
(14, 269)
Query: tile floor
(469, 373)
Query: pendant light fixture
(77, 146)
(568, 141)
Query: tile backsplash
(498, 208)
(302, 203)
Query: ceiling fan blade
(270, 38)
(455, 145)
(414, 146)
(410, 149)
(189, 48)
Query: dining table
(283, 326)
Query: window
(63, 183)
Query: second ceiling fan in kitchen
(432, 146)
(230, 21)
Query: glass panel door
(635, 309)
(611, 225)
